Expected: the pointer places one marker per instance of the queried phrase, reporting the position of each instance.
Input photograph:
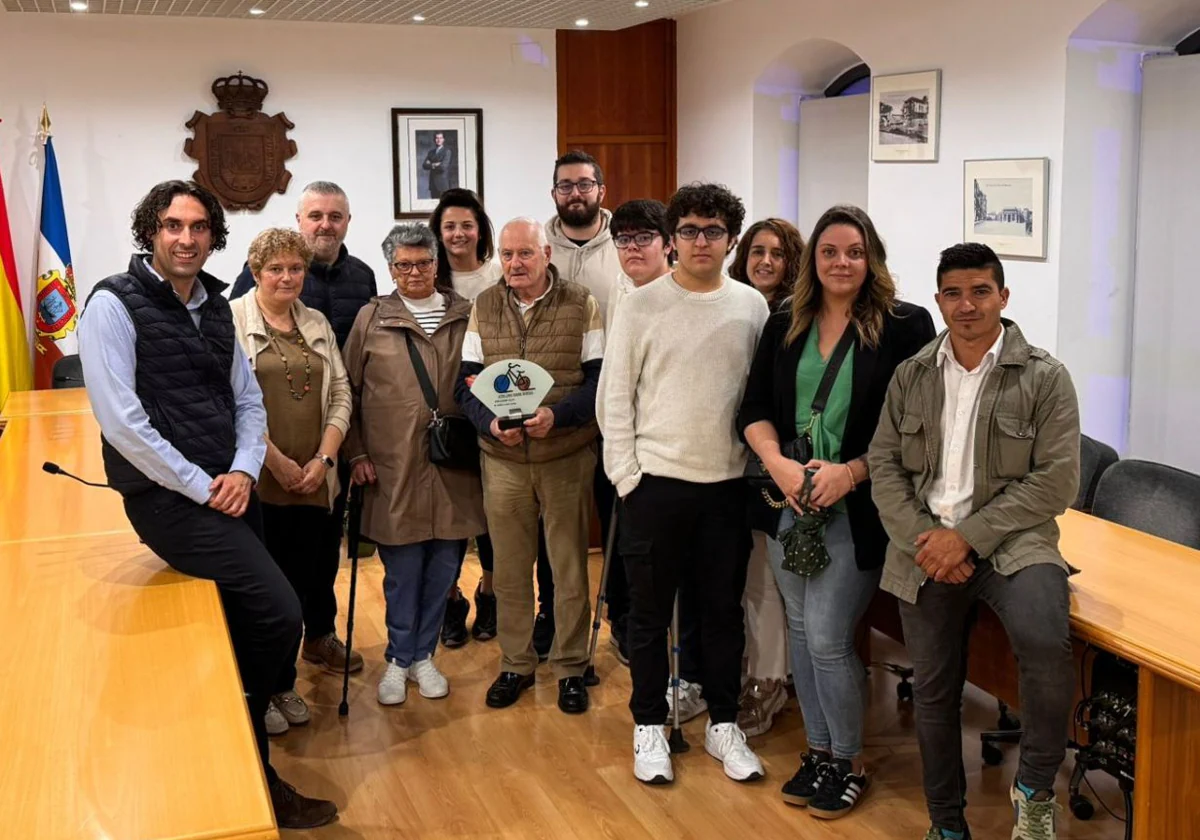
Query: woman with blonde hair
(816, 389)
(294, 354)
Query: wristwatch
(326, 460)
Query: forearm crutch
(352, 540)
(589, 676)
(676, 741)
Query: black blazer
(771, 395)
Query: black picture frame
(417, 174)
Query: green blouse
(828, 428)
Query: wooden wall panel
(616, 101)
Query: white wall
(1099, 224)
(120, 89)
(835, 145)
(1166, 341)
(1003, 83)
(776, 137)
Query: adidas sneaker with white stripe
(840, 790)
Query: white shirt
(954, 485)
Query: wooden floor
(453, 768)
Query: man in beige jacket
(544, 469)
(975, 455)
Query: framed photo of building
(433, 150)
(1006, 205)
(905, 114)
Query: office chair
(1165, 502)
(1095, 458)
(68, 372)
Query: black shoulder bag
(800, 449)
(453, 441)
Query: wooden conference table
(121, 712)
(1137, 596)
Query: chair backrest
(1152, 498)
(1094, 458)
(68, 372)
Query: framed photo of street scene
(433, 150)
(905, 114)
(1005, 205)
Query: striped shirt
(429, 311)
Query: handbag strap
(831, 369)
(422, 375)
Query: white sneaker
(431, 681)
(392, 688)
(691, 703)
(276, 723)
(652, 756)
(727, 744)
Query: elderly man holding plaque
(541, 339)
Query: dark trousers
(261, 609)
(1033, 606)
(295, 536)
(677, 535)
(320, 607)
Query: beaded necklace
(287, 369)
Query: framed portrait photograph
(433, 150)
(905, 112)
(1006, 205)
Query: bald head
(525, 257)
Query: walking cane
(590, 677)
(676, 742)
(352, 539)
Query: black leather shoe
(543, 634)
(294, 810)
(572, 695)
(507, 688)
(454, 623)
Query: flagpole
(44, 125)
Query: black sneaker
(802, 787)
(543, 634)
(454, 623)
(295, 810)
(839, 791)
(484, 627)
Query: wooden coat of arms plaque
(241, 151)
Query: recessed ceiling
(531, 14)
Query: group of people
(776, 440)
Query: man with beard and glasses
(337, 285)
(183, 432)
(582, 250)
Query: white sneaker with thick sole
(429, 679)
(691, 703)
(727, 744)
(652, 756)
(276, 723)
(393, 688)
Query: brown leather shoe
(295, 810)
(330, 653)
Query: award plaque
(513, 389)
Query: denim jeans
(823, 612)
(1033, 606)
(416, 580)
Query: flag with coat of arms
(56, 314)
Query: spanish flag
(14, 342)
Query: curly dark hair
(484, 250)
(792, 243)
(713, 201)
(145, 216)
(970, 255)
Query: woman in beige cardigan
(295, 357)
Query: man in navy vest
(337, 285)
(183, 438)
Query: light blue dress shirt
(107, 351)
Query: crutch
(589, 676)
(352, 539)
(676, 742)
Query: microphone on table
(55, 469)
